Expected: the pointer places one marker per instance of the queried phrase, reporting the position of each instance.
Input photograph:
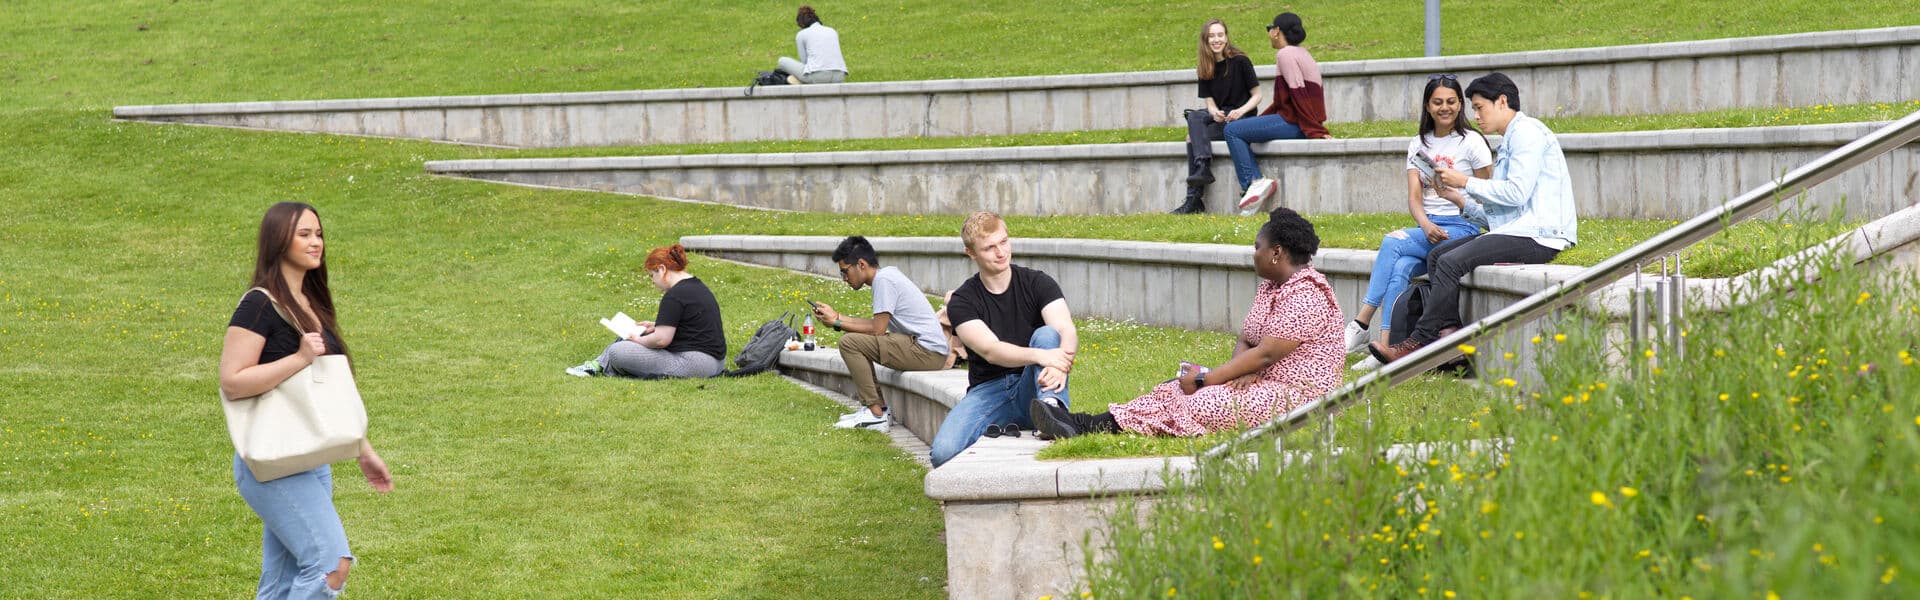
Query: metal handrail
(1593, 279)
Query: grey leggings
(630, 359)
(797, 69)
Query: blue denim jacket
(1530, 194)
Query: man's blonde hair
(978, 225)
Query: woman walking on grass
(1446, 141)
(304, 551)
(1288, 353)
(1232, 91)
(685, 339)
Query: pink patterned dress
(1302, 309)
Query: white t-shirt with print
(1460, 153)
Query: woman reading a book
(685, 339)
(1445, 140)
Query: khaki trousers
(897, 351)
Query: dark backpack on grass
(762, 351)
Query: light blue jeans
(995, 402)
(1253, 130)
(1403, 256)
(304, 539)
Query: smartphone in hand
(815, 305)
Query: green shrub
(1773, 457)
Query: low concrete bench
(1834, 67)
(1671, 174)
(1213, 283)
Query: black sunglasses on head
(1446, 76)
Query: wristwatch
(1200, 380)
(836, 324)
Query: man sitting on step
(1019, 334)
(904, 334)
(1528, 201)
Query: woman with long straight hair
(1231, 90)
(304, 551)
(1446, 141)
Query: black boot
(1195, 203)
(1102, 423)
(1054, 422)
(1200, 171)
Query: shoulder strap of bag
(279, 310)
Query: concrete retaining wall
(1836, 67)
(1635, 175)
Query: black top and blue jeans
(998, 395)
(304, 539)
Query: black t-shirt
(689, 307)
(256, 314)
(1232, 84)
(1012, 315)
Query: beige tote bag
(313, 418)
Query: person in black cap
(1232, 91)
(1299, 108)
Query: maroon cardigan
(1305, 107)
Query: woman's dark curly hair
(1292, 233)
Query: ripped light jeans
(304, 539)
(1403, 256)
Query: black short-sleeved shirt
(256, 314)
(1012, 315)
(1232, 84)
(690, 308)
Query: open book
(623, 326)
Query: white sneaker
(586, 369)
(1369, 364)
(1357, 337)
(1257, 194)
(865, 420)
(862, 412)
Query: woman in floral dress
(1289, 352)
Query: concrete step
(1671, 174)
(1834, 67)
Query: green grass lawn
(99, 54)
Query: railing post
(1433, 27)
(1677, 307)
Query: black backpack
(762, 351)
(767, 78)
(1406, 312)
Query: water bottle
(806, 334)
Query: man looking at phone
(1015, 323)
(1528, 203)
(904, 334)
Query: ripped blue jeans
(304, 539)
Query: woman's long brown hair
(1206, 54)
(276, 234)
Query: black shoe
(1053, 422)
(1196, 202)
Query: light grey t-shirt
(912, 314)
(820, 48)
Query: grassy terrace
(1809, 115)
(124, 246)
